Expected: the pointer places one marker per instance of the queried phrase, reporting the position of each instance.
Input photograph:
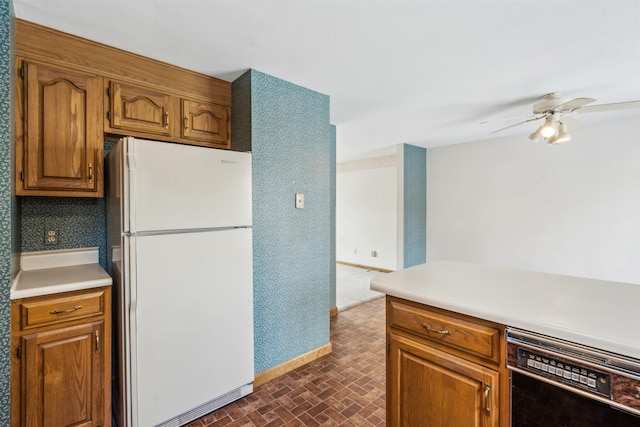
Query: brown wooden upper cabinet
(139, 109)
(72, 92)
(206, 122)
(59, 135)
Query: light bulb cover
(549, 127)
(563, 135)
(536, 136)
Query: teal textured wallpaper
(415, 205)
(332, 246)
(288, 131)
(7, 205)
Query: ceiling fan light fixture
(563, 135)
(549, 127)
(536, 136)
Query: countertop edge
(504, 316)
(50, 290)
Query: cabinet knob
(186, 123)
(90, 173)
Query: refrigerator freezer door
(191, 320)
(177, 186)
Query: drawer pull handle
(97, 335)
(437, 331)
(487, 390)
(166, 120)
(186, 123)
(69, 310)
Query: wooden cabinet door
(141, 110)
(431, 388)
(60, 140)
(206, 123)
(62, 372)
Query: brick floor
(344, 388)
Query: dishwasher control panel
(572, 374)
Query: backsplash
(79, 222)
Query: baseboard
(333, 312)
(291, 364)
(368, 267)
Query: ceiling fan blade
(608, 107)
(573, 104)
(517, 124)
(571, 124)
(509, 119)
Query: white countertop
(49, 272)
(596, 313)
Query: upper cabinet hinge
(19, 352)
(21, 175)
(108, 91)
(389, 348)
(109, 115)
(22, 72)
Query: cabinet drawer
(38, 312)
(449, 331)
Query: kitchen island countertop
(591, 312)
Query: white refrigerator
(179, 226)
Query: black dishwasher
(555, 383)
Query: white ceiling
(420, 72)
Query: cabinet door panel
(206, 122)
(62, 139)
(140, 109)
(432, 388)
(62, 98)
(63, 369)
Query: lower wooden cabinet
(443, 369)
(435, 389)
(61, 360)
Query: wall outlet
(51, 237)
(374, 254)
(299, 201)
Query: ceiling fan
(554, 110)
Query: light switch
(299, 201)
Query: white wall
(366, 211)
(570, 209)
